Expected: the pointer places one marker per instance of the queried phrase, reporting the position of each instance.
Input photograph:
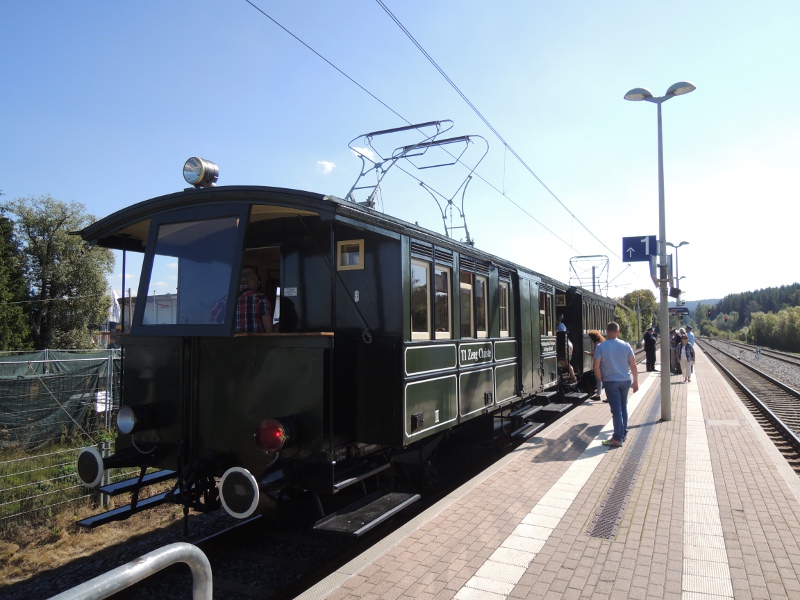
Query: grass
(36, 487)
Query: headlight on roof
(200, 172)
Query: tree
(627, 324)
(648, 310)
(15, 332)
(66, 278)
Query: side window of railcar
(465, 295)
(481, 306)
(191, 271)
(504, 309)
(349, 255)
(546, 317)
(442, 295)
(474, 294)
(420, 300)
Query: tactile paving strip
(607, 519)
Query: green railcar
(384, 336)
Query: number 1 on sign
(646, 241)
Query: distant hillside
(767, 300)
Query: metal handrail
(125, 576)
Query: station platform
(699, 507)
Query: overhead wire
(361, 87)
(488, 124)
(384, 104)
(506, 145)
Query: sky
(102, 103)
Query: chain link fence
(52, 404)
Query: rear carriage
(386, 335)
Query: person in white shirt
(686, 356)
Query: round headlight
(200, 172)
(126, 420)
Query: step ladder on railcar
(367, 512)
(134, 485)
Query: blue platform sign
(639, 248)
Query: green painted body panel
(426, 359)
(238, 382)
(474, 385)
(505, 383)
(152, 379)
(428, 397)
(243, 381)
(505, 350)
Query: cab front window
(190, 271)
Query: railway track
(775, 406)
(786, 357)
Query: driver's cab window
(201, 275)
(191, 270)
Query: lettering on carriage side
(474, 354)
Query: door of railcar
(548, 301)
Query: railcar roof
(128, 228)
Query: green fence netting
(55, 395)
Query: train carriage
(386, 335)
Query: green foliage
(767, 300)
(627, 324)
(645, 300)
(15, 332)
(730, 325)
(66, 278)
(776, 330)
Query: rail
(125, 576)
(771, 413)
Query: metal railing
(133, 572)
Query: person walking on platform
(614, 363)
(686, 355)
(650, 349)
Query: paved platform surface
(699, 507)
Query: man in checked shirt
(253, 310)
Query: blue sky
(102, 102)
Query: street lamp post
(636, 94)
(676, 257)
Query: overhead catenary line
(463, 96)
(401, 117)
(489, 125)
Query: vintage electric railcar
(386, 336)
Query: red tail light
(272, 435)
